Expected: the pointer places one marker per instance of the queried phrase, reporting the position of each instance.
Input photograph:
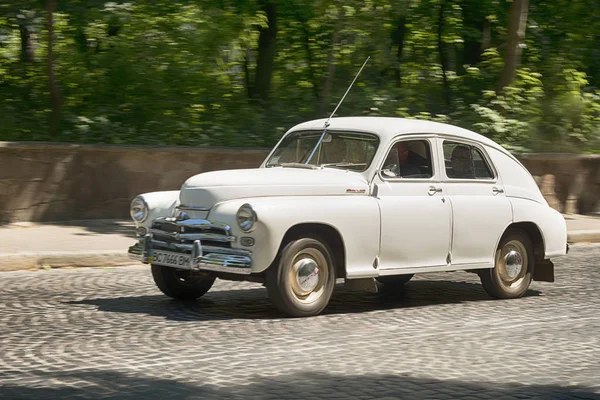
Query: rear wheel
(301, 284)
(180, 284)
(513, 269)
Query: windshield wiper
(343, 164)
(296, 165)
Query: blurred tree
(266, 53)
(239, 72)
(517, 22)
(55, 100)
(442, 51)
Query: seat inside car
(419, 155)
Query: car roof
(388, 128)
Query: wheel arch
(534, 233)
(328, 233)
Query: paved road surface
(96, 333)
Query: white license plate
(171, 259)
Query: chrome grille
(183, 232)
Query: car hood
(207, 189)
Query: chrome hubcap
(308, 275)
(512, 263)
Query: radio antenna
(336, 108)
(347, 90)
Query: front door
(415, 213)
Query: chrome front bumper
(203, 257)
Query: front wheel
(301, 284)
(180, 284)
(512, 273)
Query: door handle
(433, 190)
(495, 190)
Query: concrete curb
(61, 259)
(584, 236)
(58, 259)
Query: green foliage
(182, 73)
(572, 115)
(509, 117)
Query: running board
(436, 268)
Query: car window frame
(430, 138)
(337, 131)
(486, 158)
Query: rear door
(480, 209)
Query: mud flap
(543, 271)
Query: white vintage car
(367, 199)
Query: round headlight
(246, 217)
(139, 209)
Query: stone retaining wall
(55, 182)
(569, 182)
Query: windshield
(344, 150)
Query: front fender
(356, 218)
(160, 204)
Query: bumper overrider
(192, 244)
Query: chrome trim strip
(217, 263)
(207, 236)
(206, 249)
(225, 260)
(136, 257)
(215, 237)
(196, 223)
(242, 265)
(216, 259)
(192, 208)
(141, 250)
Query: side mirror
(388, 173)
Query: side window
(465, 162)
(408, 159)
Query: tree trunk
(266, 56)
(247, 81)
(517, 22)
(27, 42)
(443, 58)
(473, 21)
(52, 84)
(78, 21)
(331, 62)
(486, 41)
(398, 36)
(310, 60)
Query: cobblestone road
(93, 333)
